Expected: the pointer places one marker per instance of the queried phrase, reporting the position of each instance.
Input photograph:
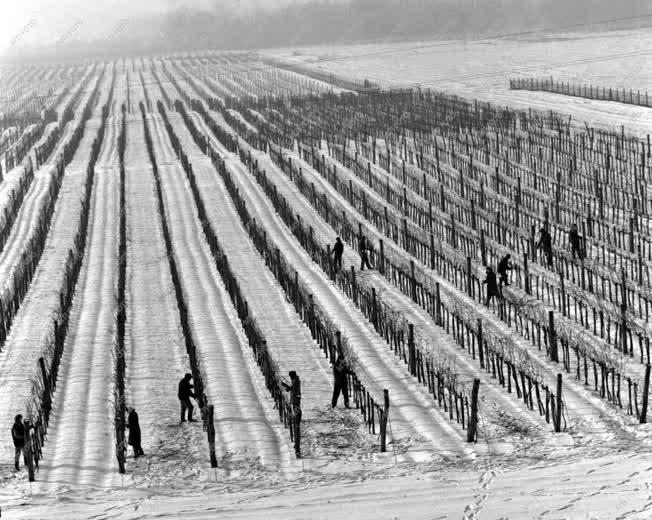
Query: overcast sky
(47, 21)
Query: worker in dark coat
(575, 242)
(364, 258)
(184, 394)
(492, 285)
(134, 433)
(545, 244)
(338, 251)
(295, 403)
(340, 372)
(19, 435)
(503, 266)
(294, 388)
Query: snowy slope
(18, 359)
(244, 433)
(481, 69)
(414, 417)
(288, 339)
(155, 352)
(499, 411)
(80, 447)
(590, 418)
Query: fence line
(585, 91)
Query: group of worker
(363, 251)
(494, 285)
(20, 429)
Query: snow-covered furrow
(590, 418)
(9, 182)
(19, 356)
(497, 405)
(86, 91)
(79, 446)
(108, 155)
(11, 179)
(13, 148)
(119, 93)
(234, 385)
(79, 85)
(414, 416)
(47, 131)
(64, 139)
(25, 222)
(155, 353)
(37, 194)
(104, 89)
(27, 216)
(201, 125)
(81, 436)
(152, 88)
(288, 339)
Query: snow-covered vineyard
(177, 215)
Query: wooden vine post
(383, 424)
(563, 292)
(29, 451)
(558, 409)
(552, 337)
(120, 450)
(480, 345)
(210, 430)
(331, 264)
(469, 278)
(623, 311)
(483, 249)
(46, 382)
(646, 390)
(413, 282)
(472, 431)
(412, 358)
(296, 420)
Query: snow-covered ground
(155, 352)
(246, 433)
(600, 467)
(288, 339)
(564, 483)
(481, 69)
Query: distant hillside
(362, 20)
(340, 21)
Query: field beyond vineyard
(163, 216)
(481, 69)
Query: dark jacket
(362, 246)
(185, 390)
(18, 434)
(504, 265)
(134, 429)
(492, 284)
(338, 249)
(340, 371)
(545, 242)
(295, 391)
(574, 239)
